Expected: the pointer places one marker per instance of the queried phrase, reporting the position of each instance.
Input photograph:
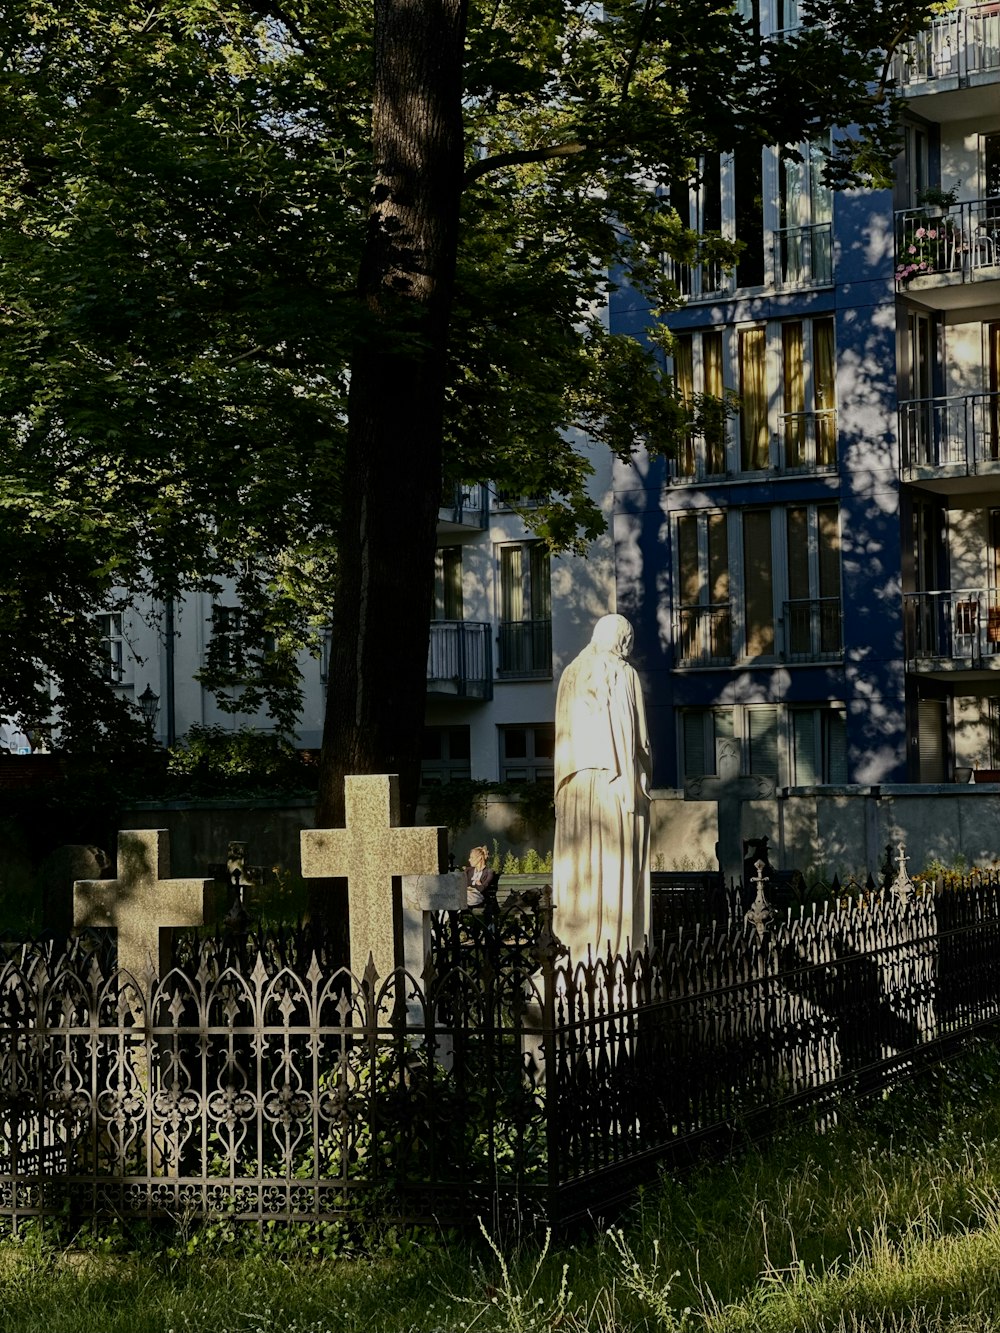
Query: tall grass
(888, 1223)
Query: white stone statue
(600, 874)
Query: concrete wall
(842, 830)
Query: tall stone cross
(730, 790)
(370, 852)
(143, 903)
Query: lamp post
(149, 706)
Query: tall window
(805, 207)
(698, 370)
(758, 584)
(113, 639)
(813, 610)
(808, 427)
(701, 730)
(755, 440)
(525, 610)
(748, 187)
(229, 645)
(448, 583)
(704, 629)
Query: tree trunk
(392, 477)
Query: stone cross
(369, 852)
(730, 790)
(143, 903)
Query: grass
(889, 1223)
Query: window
(445, 755)
(808, 423)
(525, 610)
(448, 583)
(755, 438)
(527, 753)
(701, 730)
(758, 584)
(698, 371)
(808, 743)
(113, 640)
(819, 746)
(228, 647)
(748, 188)
(805, 219)
(813, 609)
(704, 625)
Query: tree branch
(520, 157)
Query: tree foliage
(184, 187)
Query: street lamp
(149, 706)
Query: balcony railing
(807, 441)
(699, 458)
(705, 635)
(955, 629)
(465, 505)
(513, 500)
(956, 45)
(961, 245)
(525, 648)
(950, 436)
(697, 281)
(804, 255)
(460, 660)
(813, 630)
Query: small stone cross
(730, 789)
(369, 852)
(143, 903)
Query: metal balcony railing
(956, 45)
(804, 255)
(698, 280)
(956, 627)
(807, 441)
(464, 504)
(813, 629)
(525, 648)
(957, 435)
(705, 635)
(961, 244)
(460, 660)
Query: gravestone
(372, 851)
(422, 895)
(143, 904)
(729, 789)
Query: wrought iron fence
(268, 1085)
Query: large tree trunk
(392, 478)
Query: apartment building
(507, 618)
(817, 573)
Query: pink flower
(921, 231)
(932, 234)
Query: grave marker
(370, 851)
(143, 904)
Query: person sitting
(480, 879)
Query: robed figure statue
(600, 874)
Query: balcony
(460, 660)
(705, 636)
(946, 443)
(804, 255)
(813, 631)
(463, 508)
(958, 51)
(955, 630)
(938, 256)
(512, 502)
(525, 648)
(807, 441)
(698, 281)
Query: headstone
(143, 904)
(370, 852)
(423, 895)
(730, 790)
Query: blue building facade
(815, 573)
